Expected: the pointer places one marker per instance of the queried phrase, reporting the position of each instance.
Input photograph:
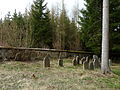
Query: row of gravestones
(87, 63)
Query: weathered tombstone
(96, 63)
(95, 57)
(78, 60)
(46, 61)
(85, 65)
(82, 60)
(60, 62)
(91, 66)
(87, 59)
(74, 61)
(18, 57)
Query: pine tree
(90, 22)
(41, 29)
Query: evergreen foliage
(91, 23)
(40, 22)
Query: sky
(20, 5)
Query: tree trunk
(105, 38)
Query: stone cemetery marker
(46, 61)
(78, 60)
(60, 62)
(96, 63)
(82, 60)
(18, 57)
(87, 59)
(95, 57)
(85, 65)
(74, 62)
(91, 66)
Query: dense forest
(43, 28)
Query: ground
(16, 75)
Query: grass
(32, 76)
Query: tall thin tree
(105, 38)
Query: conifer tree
(41, 30)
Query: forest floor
(16, 75)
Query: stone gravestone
(87, 59)
(91, 65)
(60, 62)
(74, 61)
(85, 65)
(46, 61)
(96, 63)
(95, 57)
(82, 60)
(78, 60)
(18, 57)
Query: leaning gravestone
(74, 61)
(85, 65)
(91, 66)
(46, 61)
(78, 60)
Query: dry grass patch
(32, 76)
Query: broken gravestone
(46, 61)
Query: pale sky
(20, 5)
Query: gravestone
(46, 61)
(85, 65)
(82, 60)
(18, 57)
(95, 57)
(87, 59)
(91, 66)
(60, 62)
(96, 63)
(74, 61)
(78, 60)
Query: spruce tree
(91, 23)
(41, 35)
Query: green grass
(33, 76)
(117, 72)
